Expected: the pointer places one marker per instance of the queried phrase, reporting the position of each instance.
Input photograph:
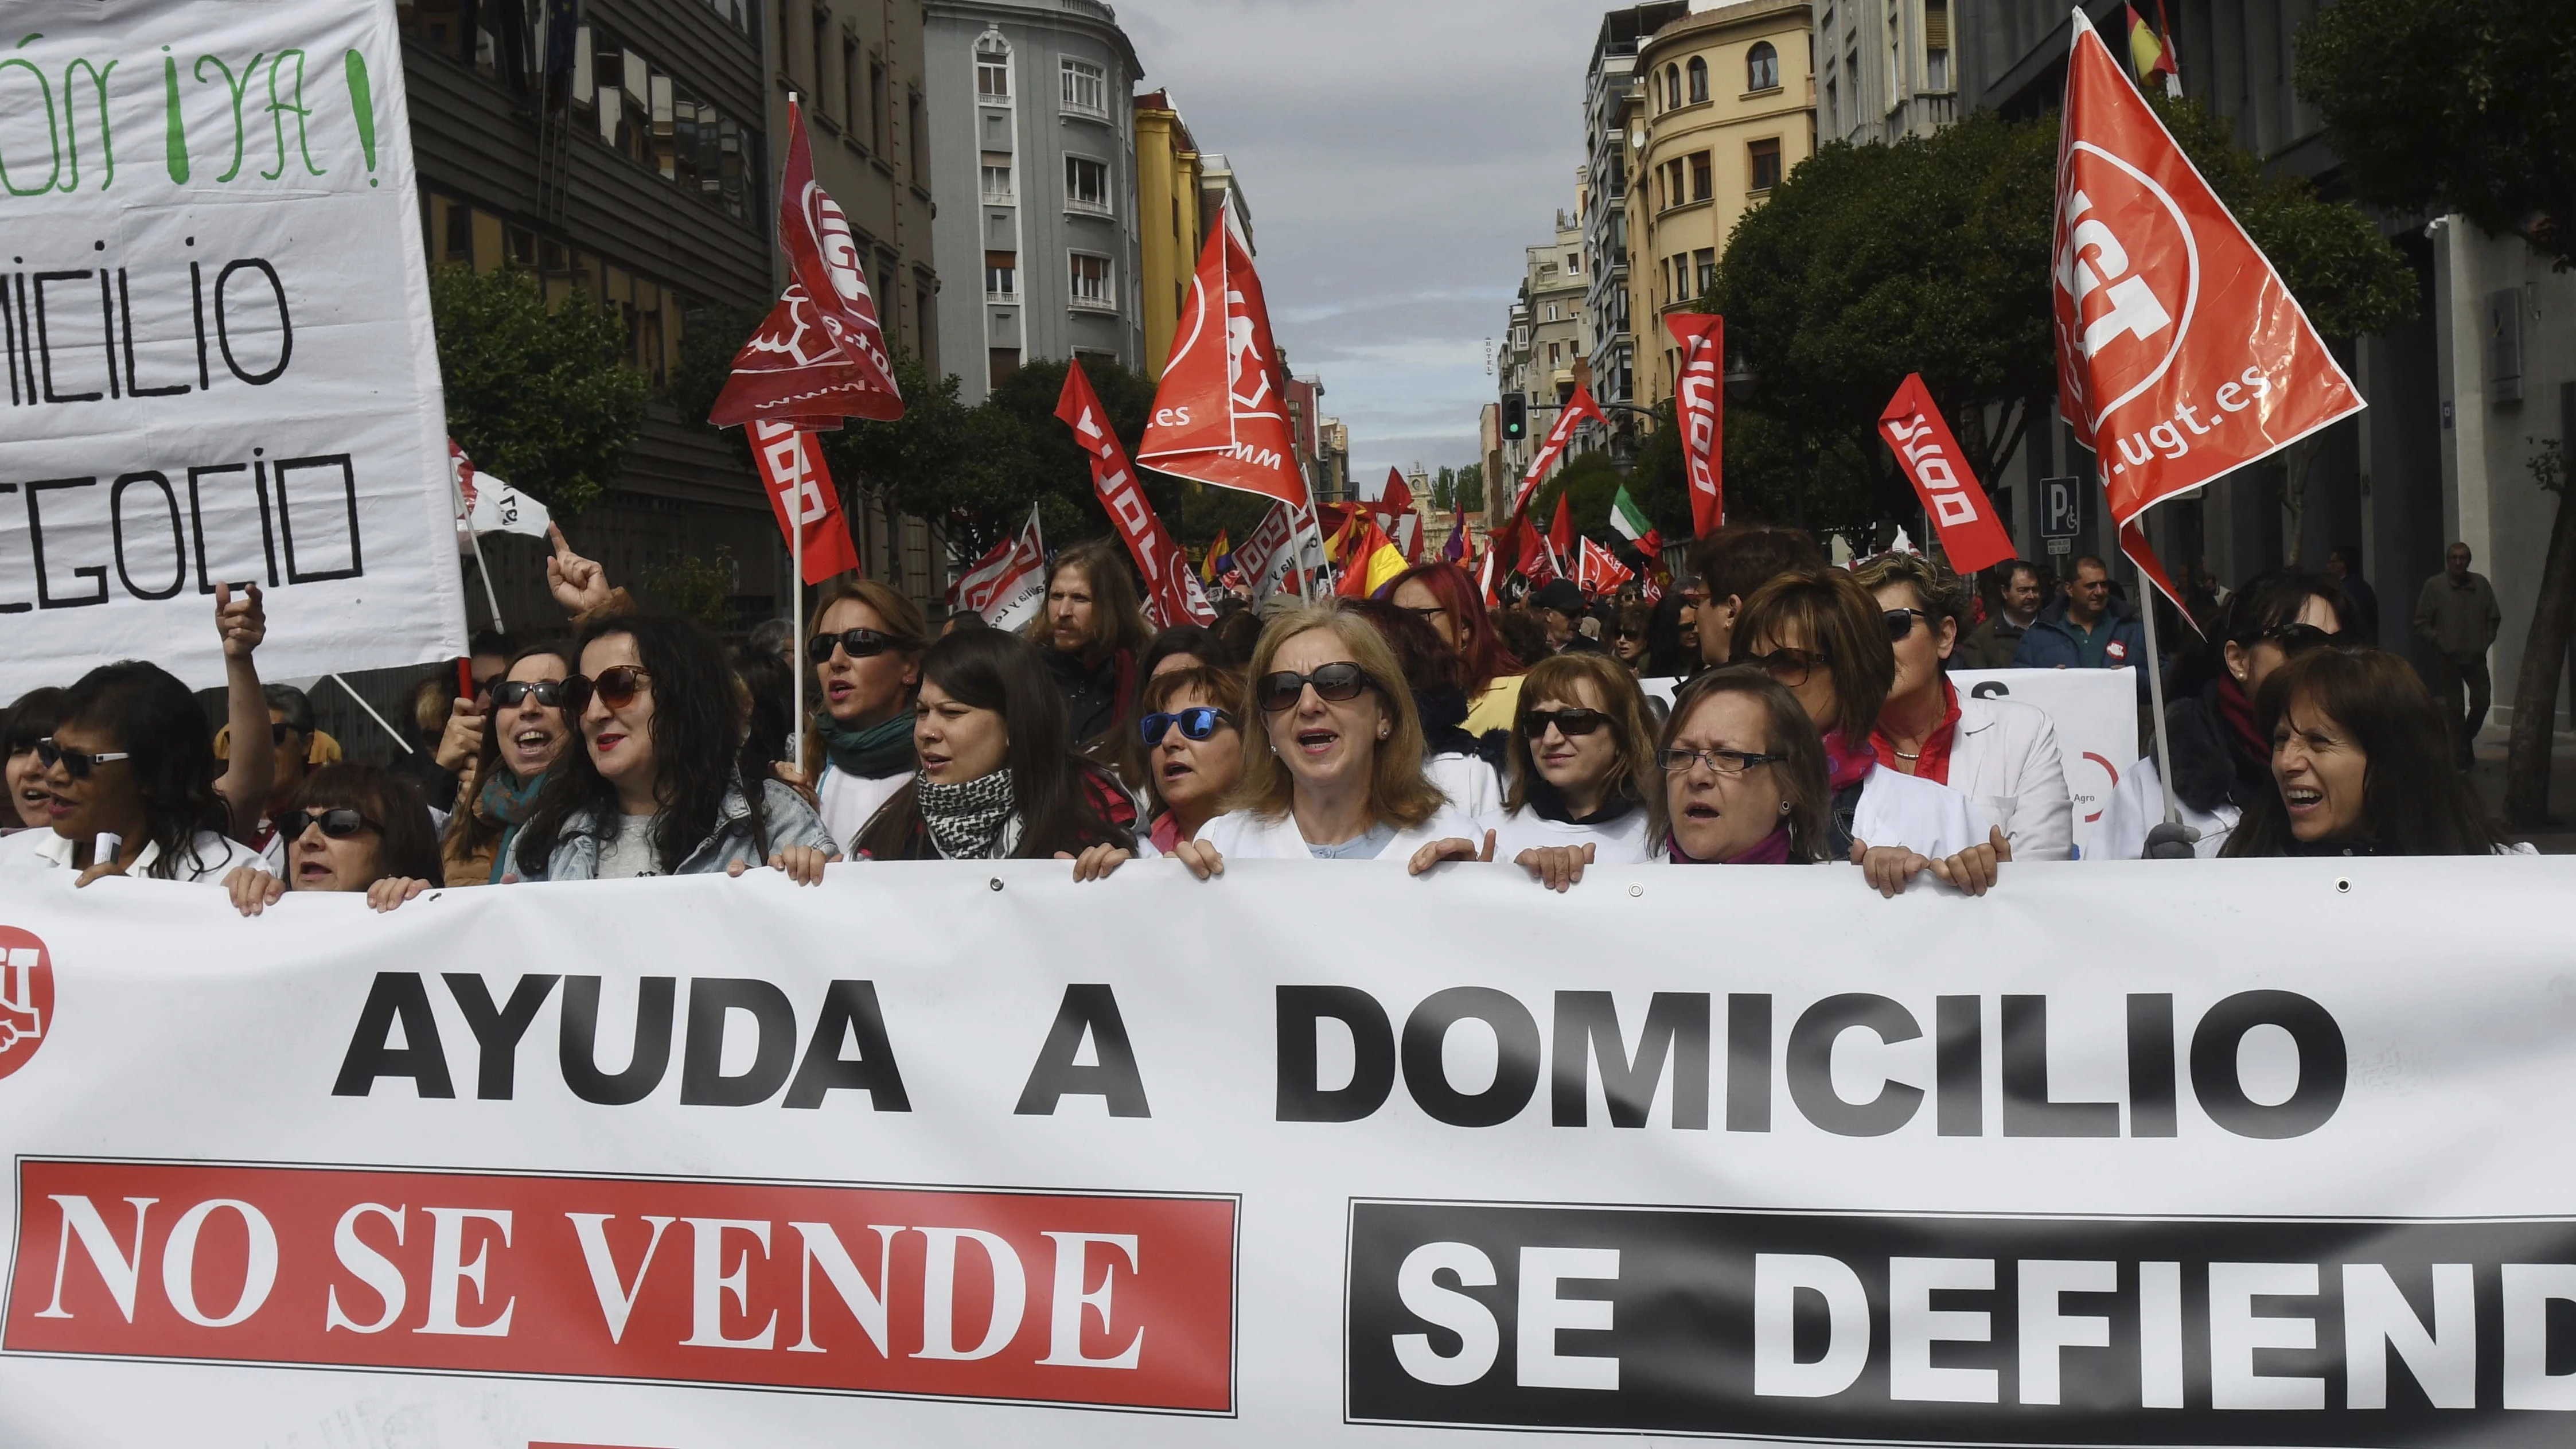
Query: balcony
(1104, 306)
(1076, 206)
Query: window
(992, 68)
(1004, 364)
(854, 97)
(1086, 185)
(1086, 88)
(1672, 85)
(1001, 274)
(820, 92)
(1762, 67)
(1551, 312)
(876, 106)
(1762, 164)
(1698, 80)
(1699, 170)
(644, 115)
(1573, 263)
(1936, 44)
(1704, 270)
(916, 138)
(997, 179)
(1092, 289)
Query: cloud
(1397, 157)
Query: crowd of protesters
(1811, 719)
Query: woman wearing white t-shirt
(131, 765)
(1581, 761)
(865, 651)
(1335, 771)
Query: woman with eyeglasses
(129, 777)
(519, 733)
(656, 787)
(30, 719)
(2222, 756)
(2000, 753)
(1335, 771)
(350, 827)
(1581, 767)
(1744, 779)
(998, 778)
(1443, 596)
(1825, 639)
(865, 648)
(1193, 744)
(2361, 765)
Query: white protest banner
(2095, 712)
(937, 1154)
(216, 319)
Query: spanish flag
(2149, 54)
(1220, 557)
(1370, 559)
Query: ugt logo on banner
(26, 997)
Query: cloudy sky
(1397, 156)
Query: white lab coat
(1621, 842)
(1244, 835)
(2005, 759)
(2138, 806)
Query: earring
(1381, 731)
(1784, 807)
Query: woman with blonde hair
(1335, 770)
(864, 646)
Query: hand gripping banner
(922, 1156)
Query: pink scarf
(1772, 849)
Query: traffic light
(1515, 417)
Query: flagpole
(474, 542)
(796, 615)
(2155, 681)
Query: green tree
(1469, 489)
(542, 397)
(2469, 106)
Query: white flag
(487, 505)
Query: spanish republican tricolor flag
(2151, 50)
(1220, 557)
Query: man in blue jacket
(2085, 628)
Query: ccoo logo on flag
(26, 997)
(2128, 276)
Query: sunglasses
(1567, 722)
(1789, 666)
(338, 822)
(547, 692)
(2296, 638)
(1900, 623)
(857, 643)
(1337, 683)
(278, 732)
(1197, 723)
(75, 763)
(1724, 762)
(616, 688)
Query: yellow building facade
(1168, 171)
(1729, 110)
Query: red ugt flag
(2181, 357)
(1172, 592)
(1970, 533)
(1699, 403)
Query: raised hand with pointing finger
(579, 584)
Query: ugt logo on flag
(26, 997)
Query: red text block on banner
(1109, 1301)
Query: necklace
(1902, 755)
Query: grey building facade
(1612, 92)
(1033, 155)
(1887, 69)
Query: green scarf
(871, 753)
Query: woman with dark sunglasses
(518, 735)
(350, 827)
(30, 719)
(2000, 753)
(1825, 640)
(1193, 749)
(998, 778)
(656, 787)
(129, 775)
(1335, 771)
(864, 646)
(2222, 757)
(1580, 762)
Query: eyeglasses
(2296, 638)
(486, 686)
(1337, 683)
(338, 822)
(857, 643)
(1632, 633)
(1567, 722)
(1427, 614)
(1197, 723)
(1789, 666)
(1900, 623)
(547, 692)
(1724, 762)
(615, 687)
(278, 732)
(75, 763)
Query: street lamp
(1739, 381)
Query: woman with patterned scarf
(865, 650)
(997, 777)
(526, 734)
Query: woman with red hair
(1444, 597)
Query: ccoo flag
(1699, 404)
(1172, 593)
(1219, 416)
(2181, 357)
(1971, 534)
